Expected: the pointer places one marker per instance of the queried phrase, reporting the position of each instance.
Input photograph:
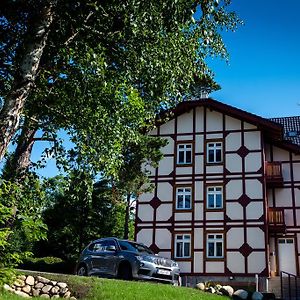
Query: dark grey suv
(112, 257)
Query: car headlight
(147, 258)
(175, 264)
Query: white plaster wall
(183, 216)
(166, 254)
(252, 140)
(254, 189)
(212, 136)
(165, 191)
(253, 162)
(235, 238)
(286, 171)
(283, 197)
(233, 141)
(198, 211)
(198, 238)
(297, 198)
(232, 123)
(234, 211)
(199, 119)
(185, 266)
(233, 163)
(164, 212)
(256, 262)
(235, 262)
(199, 143)
(255, 237)
(199, 190)
(145, 212)
(184, 170)
(168, 128)
(199, 164)
(214, 169)
(214, 267)
(296, 168)
(145, 197)
(254, 210)
(145, 236)
(165, 166)
(249, 126)
(280, 154)
(169, 148)
(153, 132)
(214, 215)
(298, 216)
(288, 217)
(234, 189)
(214, 121)
(185, 122)
(198, 262)
(187, 138)
(163, 238)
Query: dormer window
(292, 133)
(184, 154)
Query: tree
(148, 47)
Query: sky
(263, 73)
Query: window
(214, 246)
(184, 154)
(183, 246)
(214, 197)
(183, 198)
(214, 152)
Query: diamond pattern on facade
(155, 202)
(245, 250)
(244, 200)
(154, 248)
(243, 151)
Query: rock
(39, 285)
(22, 294)
(18, 288)
(22, 277)
(29, 280)
(62, 284)
(26, 289)
(44, 296)
(240, 294)
(62, 291)
(36, 292)
(53, 282)
(200, 286)
(19, 283)
(257, 296)
(67, 294)
(46, 289)
(55, 290)
(210, 290)
(73, 298)
(55, 297)
(42, 279)
(8, 288)
(227, 290)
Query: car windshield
(135, 247)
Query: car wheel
(125, 271)
(82, 270)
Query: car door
(98, 257)
(111, 257)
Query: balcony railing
(276, 220)
(274, 173)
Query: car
(124, 259)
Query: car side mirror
(111, 248)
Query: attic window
(292, 134)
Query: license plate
(163, 272)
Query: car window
(97, 247)
(134, 247)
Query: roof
(275, 129)
(291, 128)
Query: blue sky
(263, 75)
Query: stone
(44, 296)
(19, 283)
(257, 296)
(8, 288)
(39, 285)
(22, 277)
(22, 294)
(67, 294)
(73, 298)
(240, 294)
(46, 289)
(42, 279)
(200, 286)
(29, 280)
(62, 291)
(62, 284)
(26, 289)
(55, 297)
(53, 282)
(18, 288)
(55, 290)
(36, 292)
(227, 290)
(210, 290)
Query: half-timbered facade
(227, 193)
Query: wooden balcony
(276, 220)
(274, 174)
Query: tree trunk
(26, 70)
(127, 215)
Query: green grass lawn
(92, 288)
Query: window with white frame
(214, 152)
(214, 246)
(182, 245)
(184, 154)
(214, 197)
(183, 198)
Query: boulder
(55, 290)
(257, 296)
(22, 277)
(44, 296)
(55, 297)
(200, 286)
(240, 295)
(53, 282)
(210, 290)
(26, 289)
(62, 291)
(73, 298)
(39, 285)
(67, 294)
(8, 288)
(29, 280)
(36, 292)
(46, 289)
(227, 290)
(19, 283)
(22, 294)
(62, 284)
(42, 279)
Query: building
(226, 203)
